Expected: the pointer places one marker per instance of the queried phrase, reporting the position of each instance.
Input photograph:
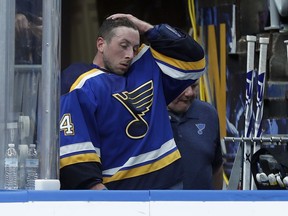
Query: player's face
(120, 51)
(184, 100)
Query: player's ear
(100, 43)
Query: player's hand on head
(141, 25)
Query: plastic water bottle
(11, 168)
(22, 156)
(32, 166)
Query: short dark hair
(107, 27)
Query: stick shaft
(261, 85)
(249, 84)
(246, 174)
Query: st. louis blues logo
(200, 127)
(137, 102)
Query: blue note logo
(200, 127)
(138, 103)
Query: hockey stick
(260, 93)
(246, 173)
(261, 85)
(249, 85)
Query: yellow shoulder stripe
(84, 76)
(195, 65)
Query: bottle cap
(32, 145)
(11, 145)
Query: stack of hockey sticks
(256, 131)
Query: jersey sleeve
(77, 136)
(179, 56)
(80, 176)
(175, 43)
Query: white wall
(142, 203)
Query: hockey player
(115, 130)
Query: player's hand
(141, 25)
(99, 186)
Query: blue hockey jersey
(116, 128)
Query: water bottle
(11, 168)
(32, 165)
(22, 156)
